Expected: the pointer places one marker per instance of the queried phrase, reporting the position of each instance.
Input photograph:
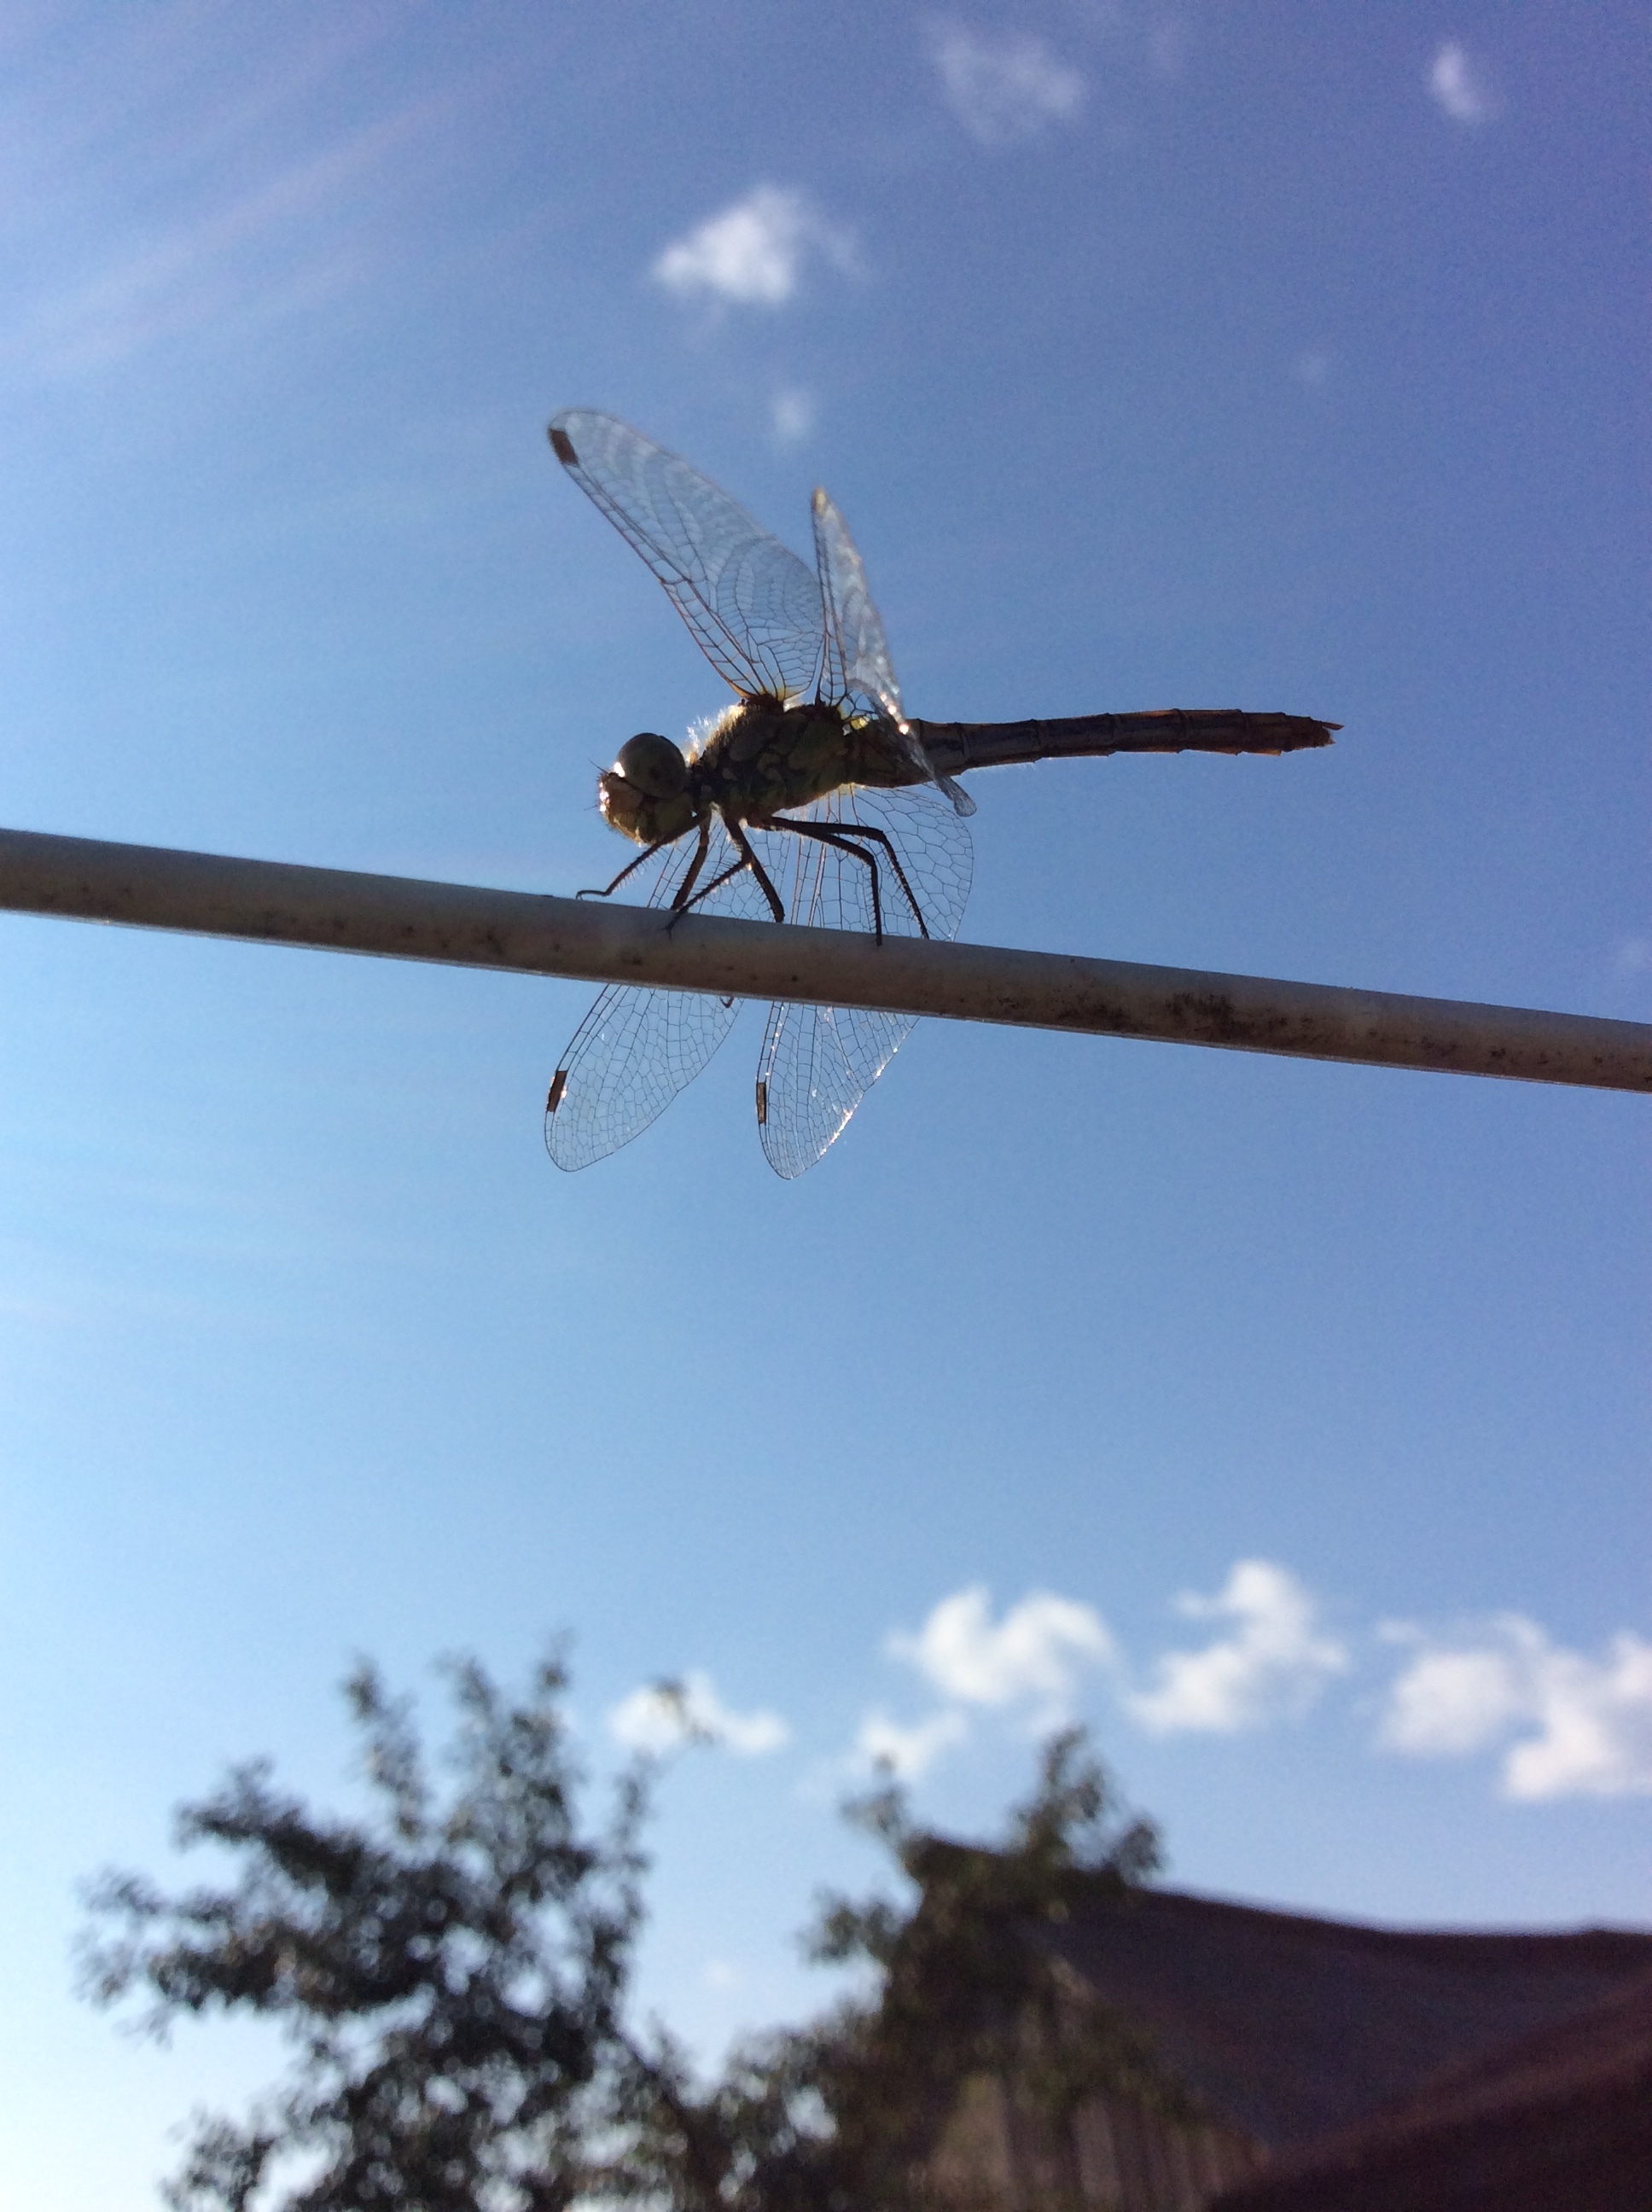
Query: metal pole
(153, 887)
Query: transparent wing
(752, 606)
(857, 651)
(857, 663)
(637, 1048)
(818, 1062)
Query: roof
(1287, 2028)
(1557, 2120)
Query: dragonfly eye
(653, 765)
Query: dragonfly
(811, 799)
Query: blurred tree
(453, 1980)
(843, 2115)
(451, 1977)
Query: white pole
(151, 887)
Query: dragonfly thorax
(764, 756)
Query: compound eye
(653, 765)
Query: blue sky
(1288, 1423)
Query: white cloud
(1634, 956)
(1564, 1723)
(1002, 90)
(908, 1752)
(793, 413)
(1313, 368)
(1273, 1663)
(662, 1716)
(1583, 1726)
(1459, 87)
(1036, 1650)
(1448, 1703)
(754, 253)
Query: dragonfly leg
(844, 834)
(743, 846)
(647, 853)
(736, 868)
(680, 900)
(881, 837)
(686, 896)
(845, 842)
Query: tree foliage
(453, 1977)
(842, 2116)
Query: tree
(451, 1977)
(842, 2115)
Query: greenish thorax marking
(763, 758)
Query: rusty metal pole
(521, 932)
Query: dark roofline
(1557, 2120)
(1284, 2026)
(1614, 1940)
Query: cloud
(754, 253)
(1274, 1663)
(1565, 1724)
(794, 414)
(1584, 1726)
(1459, 87)
(908, 1752)
(1634, 956)
(662, 1716)
(277, 250)
(1036, 1650)
(1003, 89)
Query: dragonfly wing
(630, 1057)
(858, 661)
(637, 1048)
(858, 656)
(818, 1062)
(752, 606)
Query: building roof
(1557, 2120)
(1287, 2028)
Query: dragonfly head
(645, 795)
(653, 765)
